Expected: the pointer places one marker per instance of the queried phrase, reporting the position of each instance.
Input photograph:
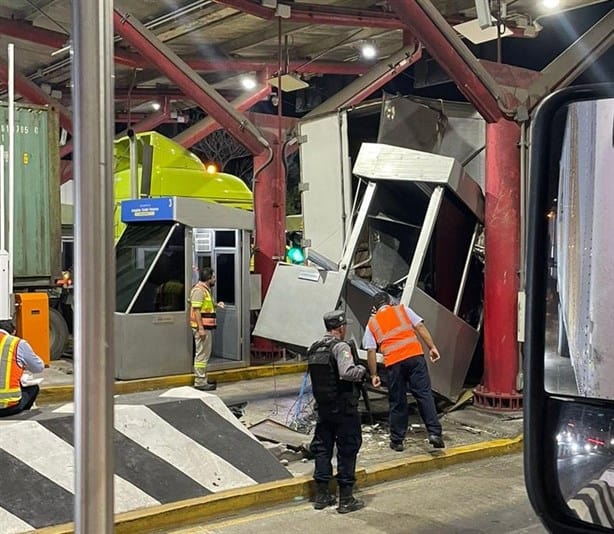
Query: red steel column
(270, 244)
(502, 223)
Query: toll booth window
(225, 238)
(225, 278)
(135, 253)
(445, 259)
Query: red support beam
(252, 64)
(35, 95)
(208, 125)
(501, 281)
(317, 14)
(194, 87)
(25, 31)
(448, 49)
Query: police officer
(336, 379)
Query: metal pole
(2, 201)
(94, 264)
(11, 192)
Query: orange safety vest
(10, 371)
(207, 309)
(394, 334)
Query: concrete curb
(58, 394)
(194, 511)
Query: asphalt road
(480, 497)
(577, 471)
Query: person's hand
(434, 354)
(202, 332)
(220, 304)
(375, 381)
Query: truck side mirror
(569, 349)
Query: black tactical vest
(332, 395)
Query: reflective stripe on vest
(394, 334)
(10, 372)
(207, 313)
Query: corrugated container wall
(37, 225)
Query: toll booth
(415, 235)
(165, 242)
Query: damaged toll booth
(416, 235)
(165, 242)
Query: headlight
(574, 448)
(587, 447)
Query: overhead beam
(25, 31)
(448, 49)
(201, 129)
(35, 95)
(267, 32)
(572, 62)
(377, 77)
(190, 83)
(254, 64)
(317, 14)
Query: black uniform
(335, 378)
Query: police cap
(334, 319)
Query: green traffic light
(295, 255)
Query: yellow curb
(201, 509)
(55, 394)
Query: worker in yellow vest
(203, 323)
(16, 357)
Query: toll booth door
(222, 251)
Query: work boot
(436, 441)
(206, 387)
(397, 446)
(323, 497)
(347, 502)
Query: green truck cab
(165, 168)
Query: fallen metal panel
(451, 129)
(295, 303)
(325, 182)
(385, 162)
(455, 339)
(270, 430)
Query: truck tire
(58, 334)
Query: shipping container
(37, 223)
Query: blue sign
(147, 209)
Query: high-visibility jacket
(10, 371)
(394, 334)
(206, 305)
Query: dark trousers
(412, 372)
(345, 432)
(28, 396)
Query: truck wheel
(58, 334)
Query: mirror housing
(544, 410)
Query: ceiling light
(156, 106)
(551, 4)
(248, 82)
(368, 51)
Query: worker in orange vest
(16, 357)
(397, 331)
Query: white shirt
(26, 357)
